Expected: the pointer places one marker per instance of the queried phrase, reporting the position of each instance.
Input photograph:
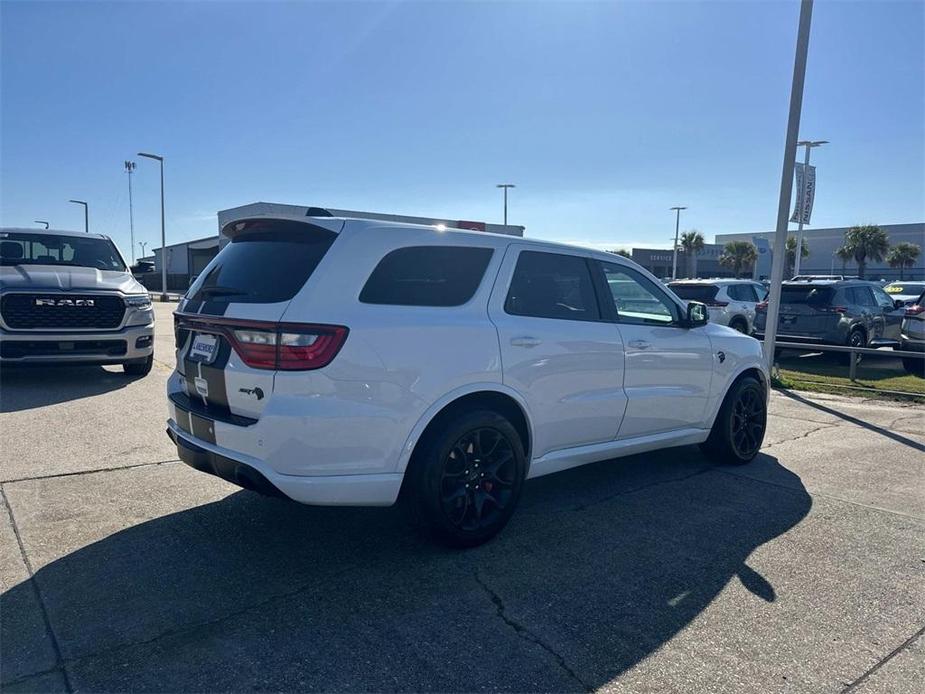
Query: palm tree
(867, 242)
(791, 254)
(903, 255)
(738, 255)
(844, 254)
(691, 244)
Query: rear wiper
(221, 291)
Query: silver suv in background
(846, 312)
(730, 302)
(68, 297)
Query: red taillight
(761, 306)
(284, 346)
(915, 310)
(835, 309)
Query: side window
(427, 276)
(552, 285)
(883, 299)
(738, 292)
(752, 293)
(865, 296)
(637, 299)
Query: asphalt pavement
(123, 569)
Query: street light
(505, 186)
(40, 221)
(142, 244)
(674, 257)
(86, 214)
(160, 159)
(809, 144)
(130, 169)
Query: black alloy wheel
(465, 477)
(478, 479)
(749, 419)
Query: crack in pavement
(59, 658)
(527, 635)
(800, 436)
(851, 686)
(131, 466)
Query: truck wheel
(141, 367)
(856, 338)
(465, 478)
(739, 428)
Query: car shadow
(30, 387)
(600, 567)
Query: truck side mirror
(697, 315)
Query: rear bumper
(103, 347)
(327, 490)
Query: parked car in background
(339, 361)
(835, 312)
(912, 335)
(67, 297)
(730, 302)
(907, 292)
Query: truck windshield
(51, 249)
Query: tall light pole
(505, 186)
(86, 214)
(809, 144)
(674, 256)
(40, 221)
(130, 169)
(786, 180)
(160, 159)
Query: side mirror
(697, 315)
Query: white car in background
(350, 362)
(907, 292)
(730, 302)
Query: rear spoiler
(320, 223)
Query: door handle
(525, 341)
(639, 344)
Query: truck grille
(24, 312)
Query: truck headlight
(141, 301)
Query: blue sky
(604, 114)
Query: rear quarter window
(427, 276)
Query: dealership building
(822, 245)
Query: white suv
(343, 361)
(730, 302)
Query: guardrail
(855, 353)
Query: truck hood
(65, 278)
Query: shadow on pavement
(30, 387)
(600, 567)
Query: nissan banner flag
(806, 192)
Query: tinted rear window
(695, 292)
(264, 266)
(810, 295)
(427, 276)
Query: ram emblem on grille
(86, 303)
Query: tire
(447, 492)
(856, 338)
(915, 367)
(739, 428)
(739, 324)
(142, 367)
